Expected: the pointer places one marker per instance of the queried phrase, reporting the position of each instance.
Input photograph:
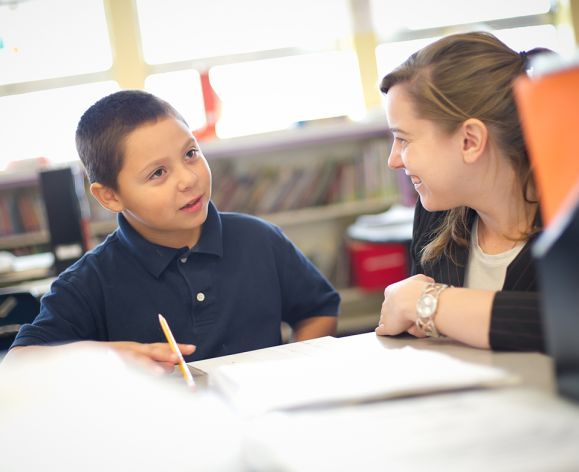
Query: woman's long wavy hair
(462, 76)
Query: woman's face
(429, 156)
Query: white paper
(337, 374)
(500, 430)
(295, 350)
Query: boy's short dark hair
(102, 130)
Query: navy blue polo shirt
(227, 294)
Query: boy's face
(164, 186)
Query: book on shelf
(263, 183)
(28, 220)
(301, 189)
(242, 192)
(31, 211)
(319, 193)
(288, 196)
(224, 184)
(21, 211)
(377, 177)
(284, 190)
(5, 219)
(270, 191)
(348, 190)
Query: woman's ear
(107, 197)
(474, 135)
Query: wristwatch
(426, 307)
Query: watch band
(426, 308)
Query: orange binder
(549, 111)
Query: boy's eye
(158, 173)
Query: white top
(487, 271)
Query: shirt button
(183, 260)
(200, 296)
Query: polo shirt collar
(156, 258)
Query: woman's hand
(398, 312)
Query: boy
(223, 281)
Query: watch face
(426, 306)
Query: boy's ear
(107, 197)
(474, 135)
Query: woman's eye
(192, 153)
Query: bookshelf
(24, 240)
(22, 216)
(313, 181)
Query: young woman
(457, 136)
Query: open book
(339, 374)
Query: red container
(376, 265)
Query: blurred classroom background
(283, 97)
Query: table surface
(526, 427)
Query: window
(269, 70)
(529, 37)
(390, 18)
(390, 55)
(521, 24)
(43, 124)
(54, 42)
(278, 93)
(182, 89)
(176, 30)
(290, 63)
(41, 40)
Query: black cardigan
(516, 322)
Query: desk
(522, 428)
(83, 408)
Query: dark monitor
(557, 254)
(65, 203)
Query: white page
(339, 374)
(501, 430)
(295, 350)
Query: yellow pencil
(171, 340)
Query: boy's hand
(155, 356)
